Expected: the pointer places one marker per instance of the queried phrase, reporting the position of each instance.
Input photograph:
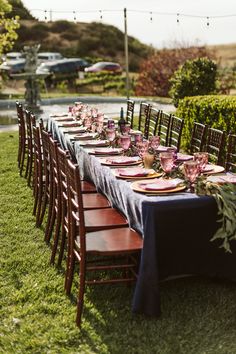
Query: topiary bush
(214, 110)
(193, 78)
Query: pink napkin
(76, 130)
(95, 142)
(228, 178)
(183, 157)
(158, 185)
(70, 124)
(104, 151)
(85, 136)
(162, 148)
(208, 168)
(59, 115)
(133, 172)
(123, 160)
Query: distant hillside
(225, 54)
(81, 40)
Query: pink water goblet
(201, 158)
(142, 148)
(191, 172)
(110, 134)
(125, 141)
(154, 142)
(167, 161)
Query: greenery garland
(225, 197)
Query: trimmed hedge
(216, 111)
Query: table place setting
(85, 136)
(183, 157)
(135, 173)
(120, 160)
(94, 143)
(159, 186)
(212, 169)
(70, 124)
(74, 130)
(223, 178)
(105, 151)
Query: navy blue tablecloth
(176, 228)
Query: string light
(151, 16)
(74, 16)
(150, 13)
(177, 20)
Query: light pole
(126, 54)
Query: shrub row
(216, 111)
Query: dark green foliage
(35, 34)
(217, 111)
(62, 26)
(195, 77)
(18, 9)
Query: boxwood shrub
(214, 110)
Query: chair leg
(56, 236)
(50, 225)
(22, 160)
(43, 209)
(80, 302)
(39, 206)
(69, 272)
(30, 172)
(62, 247)
(36, 198)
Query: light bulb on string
(208, 22)
(74, 13)
(151, 17)
(177, 19)
(45, 15)
(100, 11)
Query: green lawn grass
(198, 315)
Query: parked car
(80, 63)
(58, 70)
(104, 66)
(49, 56)
(13, 56)
(15, 66)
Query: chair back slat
(198, 137)
(215, 145)
(175, 134)
(143, 118)
(130, 112)
(153, 120)
(164, 127)
(230, 163)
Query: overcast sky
(163, 29)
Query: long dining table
(176, 228)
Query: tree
(195, 77)
(156, 71)
(8, 27)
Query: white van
(49, 56)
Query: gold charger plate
(215, 169)
(106, 162)
(150, 175)
(135, 186)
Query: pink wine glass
(142, 147)
(125, 141)
(167, 161)
(191, 172)
(201, 158)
